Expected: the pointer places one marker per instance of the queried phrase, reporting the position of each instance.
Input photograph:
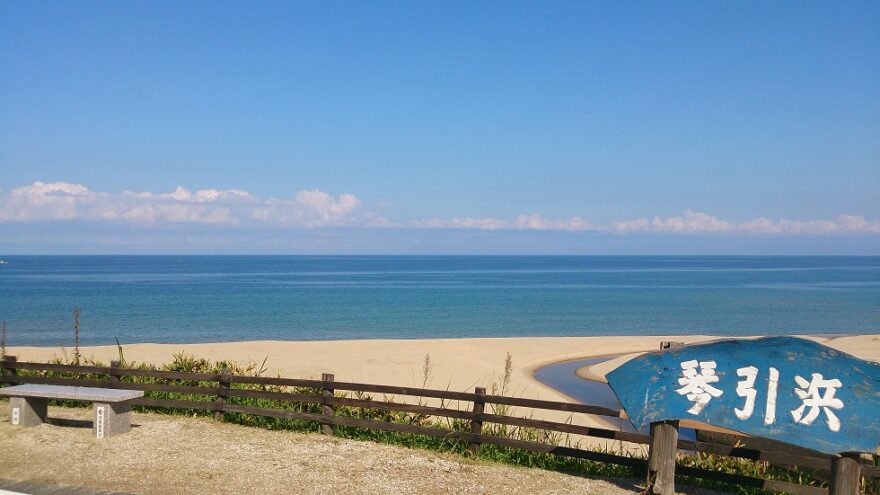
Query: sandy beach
(456, 364)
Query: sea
(190, 299)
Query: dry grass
(173, 454)
(183, 455)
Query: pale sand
(457, 364)
(862, 346)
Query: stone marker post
(111, 418)
(28, 411)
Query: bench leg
(27, 411)
(111, 419)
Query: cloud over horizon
(59, 201)
(64, 201)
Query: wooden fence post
(661, 458)
(222, 394)
(114, 372)
(7, 365)
(326, 408)
(846, 471)
(477, 424)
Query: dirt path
(177, 455)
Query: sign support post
(661, 458)
(845, 474)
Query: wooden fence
(664, 445)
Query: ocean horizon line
(444, 255)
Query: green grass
(519, 457)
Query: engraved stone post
(27, 411)
(111, 418)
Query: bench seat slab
(90, 394)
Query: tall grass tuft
(502, 388)
(120, 355)
(3, 341)
(427, 371)
(76, 353)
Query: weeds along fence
(486, 419)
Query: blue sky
(409, 126)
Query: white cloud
(40, 201)
(537, 222)
(690, 222)
(695, 222)
(522, 222)
(844, 224)
(65, 201)
(463, 223)
(321, 208)
(312, 209)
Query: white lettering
(746, 388)
(99, 422)
(772, 385)
(697, 385)
(811, 397)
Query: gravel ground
(179, 455)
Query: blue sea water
(233, 298)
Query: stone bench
(112, 407)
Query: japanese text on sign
(817, 394)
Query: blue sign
(784, 388)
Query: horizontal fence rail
(215, 392)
